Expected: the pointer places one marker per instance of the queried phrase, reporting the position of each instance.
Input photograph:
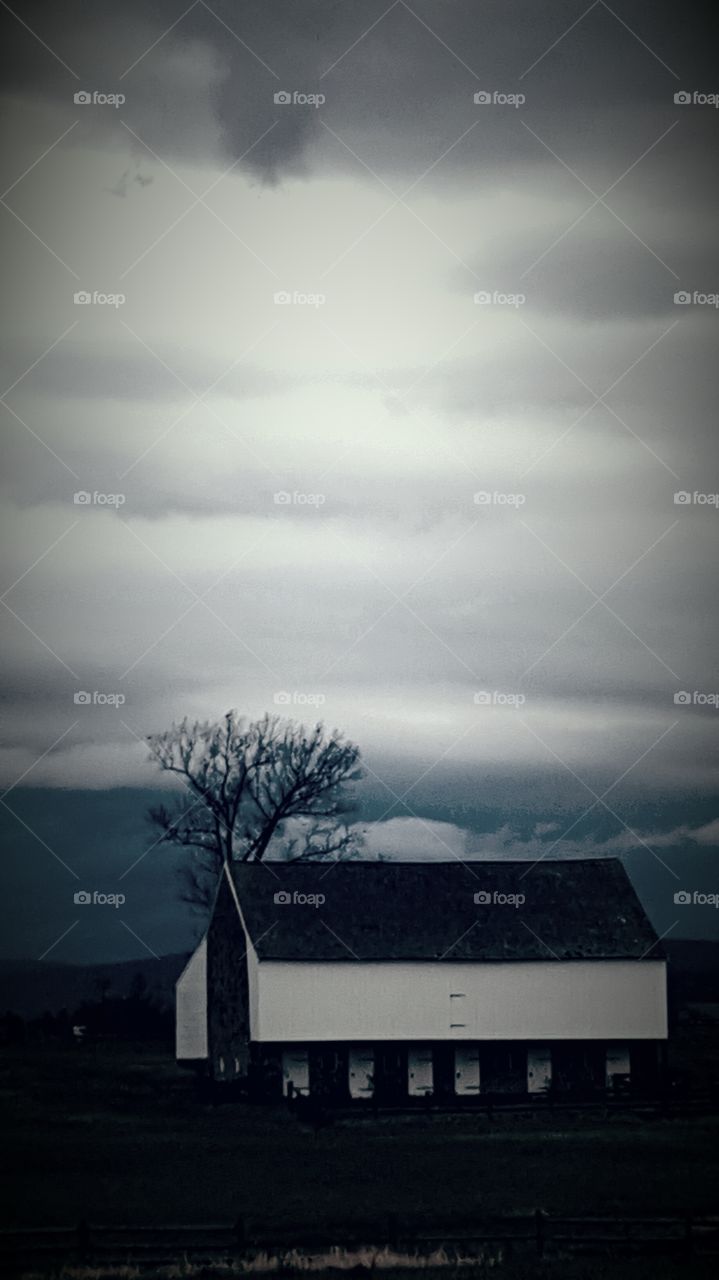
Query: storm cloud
(394, 408)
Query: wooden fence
(247, 1243)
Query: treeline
(135, 1016)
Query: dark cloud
(397, 94)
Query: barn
(395, 982)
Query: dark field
(596, 1268)
(116, 1135)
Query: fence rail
(245, 1241)
(539, 1104)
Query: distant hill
(33, 987)
(693, 969)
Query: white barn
(393, 981)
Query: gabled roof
(572, 909)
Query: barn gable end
(228, 988)
(191, 1008)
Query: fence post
(239, 1232)
(688, 1234)
(392, 1230)
(539, 1231)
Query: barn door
(295, 1072)
(390, 1074)
(466, 1070)
(361, 1072)
(539, 1069)
(457, 1010)
(618, 1064)
(420, 1073)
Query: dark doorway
(504, 1068)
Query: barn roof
(572, 909)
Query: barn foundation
(406, 1074)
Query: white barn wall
(191, 1007)
(535, 1000)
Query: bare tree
(247, 779)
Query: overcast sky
(477, 568)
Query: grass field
(116, 1135)
(573, 1269)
